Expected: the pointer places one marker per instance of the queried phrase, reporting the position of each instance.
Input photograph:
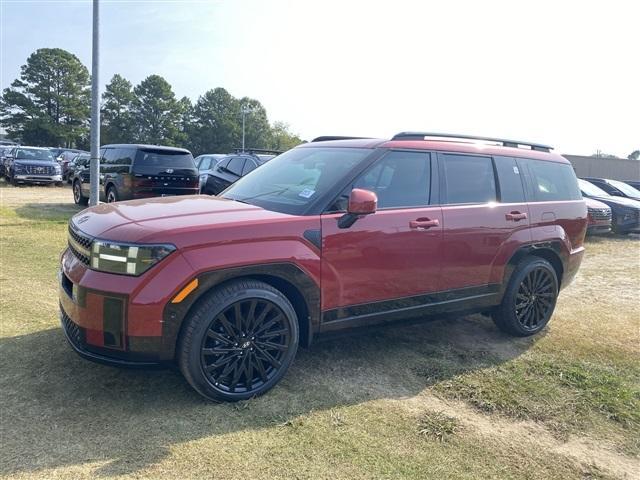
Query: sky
(564, 73)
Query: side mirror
(361, 202)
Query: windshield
(164, 158)
(33, 154)
(590, 189)
(292, 181)
(625, 188)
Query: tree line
(49, 105)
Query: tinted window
(509, 179)
(400, 179)
(468, 179)
(123, 156)
(553, 181)
(109, 156)
(235, 166)
(625, 188)
(223, 163)
(163, 158)
(249, 165)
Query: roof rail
(327, 138)
(504, 142)
(257, 150)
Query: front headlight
(125, 259)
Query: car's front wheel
(238, 341)
(529, 299)
(112, 195)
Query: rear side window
(123, 156)
(400, 179)
(109, 156)
(510, 180)
(164, 159)
(235, 166)
(553, 181)
(468, 179)
(249, 165)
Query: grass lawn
(443, 399)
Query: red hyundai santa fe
(336, 233)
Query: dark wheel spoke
(245, 345)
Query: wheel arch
(552, 251)
(291, 280)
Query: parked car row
(619, 205)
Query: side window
(109, 156)
(249, 165)
(468, 179)
(123, 156)
(223, 164)
(102, 151)
(553, 181)
(400, 179)
(235, 165)
(204, 164)
(509, 179)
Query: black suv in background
(615, 187)
(32, 165)
(625, 211)
(139, 171)
(231, 168)
(205, 165)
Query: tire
(13, 181)
(78, 198)
(59, 184)
(112, 194)
(226, 358)
(529, 299)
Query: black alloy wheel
(238, 341)
(535, 297)
(245, 346)
(529, 298)
(78, 198)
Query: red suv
(333, 234)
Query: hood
(37, 163)
(618, 201)
(170, 219)
(591, 203)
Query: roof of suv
(446, 142)
(140, 145)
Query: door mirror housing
(361, 202)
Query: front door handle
(516, 216)
(423, 223)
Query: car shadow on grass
(60, 410)
(48, 212)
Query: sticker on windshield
(306, 193)
(515, 170)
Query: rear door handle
(515, 216)
(423, 223)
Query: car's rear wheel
(529, 299)
(238, 341)
(78, 198)
(112, 195)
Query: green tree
(118, 100)
(635, 155)
(50, 103)
(157, 113)
(215, 123)
(257, 128)
(281, 137)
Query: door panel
(481, 235)
(380, 257)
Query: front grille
(73, 331)
(39, 170)
(80, 245)
(600, 213)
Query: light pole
(94, 167)
(245, 110)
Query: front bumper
(38, 178)
(599, 229)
